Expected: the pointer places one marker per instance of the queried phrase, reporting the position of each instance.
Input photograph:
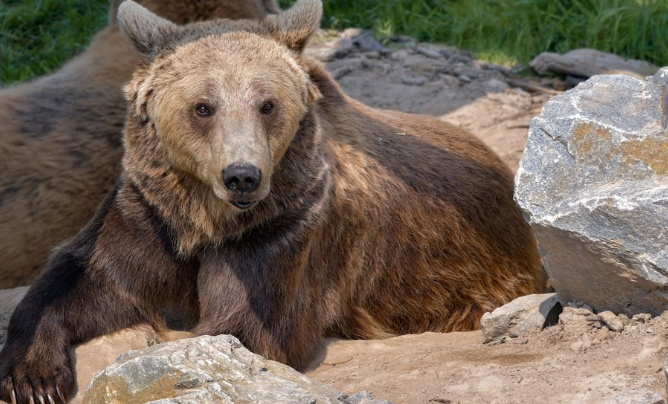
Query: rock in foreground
(593, 183)
(520, 317)
(203, 370)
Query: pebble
(429, 52)
(368, 44)
(413, 81)
(352, 33)
(611, 321)
(399, 55)
(638, 396)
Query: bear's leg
(116, 273)
(268, 306)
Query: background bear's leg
(98, 283)
(264, 301)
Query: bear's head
(223, 98)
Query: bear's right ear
(295, 26)
(148, 32)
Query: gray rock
(336, 49)
(434, 54)
(638, 396)
(413, 81)
(589, 62)
(363, 397)
(521, 316)
(665, 372)
(9, 299)
(613, 322)
(203, 370)
(368, 44)
(593, 183)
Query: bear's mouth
(243, 205)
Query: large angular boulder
(204, 370)
(593, 183)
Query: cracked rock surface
(204, 370)
(593, 183)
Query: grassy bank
(518, 30)
(39, 35)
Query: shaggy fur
(61, 138)
(365, 224)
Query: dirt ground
(557, 365)
(564, 363)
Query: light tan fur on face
(237, 132)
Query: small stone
(577, 346)
(351, 33)
(429, 52)
(611, 321)
(665, 372)
(363, 397)
(642, 318)
(399, 54)
(368, 44)
(624, 319)
(521, 316)
(637, 396)
(495, 86)
(413, 81)
(465, 78)
(372, 55)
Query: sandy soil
(566, 363)
(557, 365)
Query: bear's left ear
(295, 26)
(148, 32)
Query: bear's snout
(242, 180)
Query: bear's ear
(113, 11)
(148, 32)
(295, 26)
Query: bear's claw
(35, 390)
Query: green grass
(39, 35)
(515, 31)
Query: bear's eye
(266, 108)
(203, 110)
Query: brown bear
(269, 205)
(61, 142)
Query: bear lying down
(259, 197)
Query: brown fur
(367, 223)
(61, 142)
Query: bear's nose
(242, 177)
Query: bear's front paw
(40, 380)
